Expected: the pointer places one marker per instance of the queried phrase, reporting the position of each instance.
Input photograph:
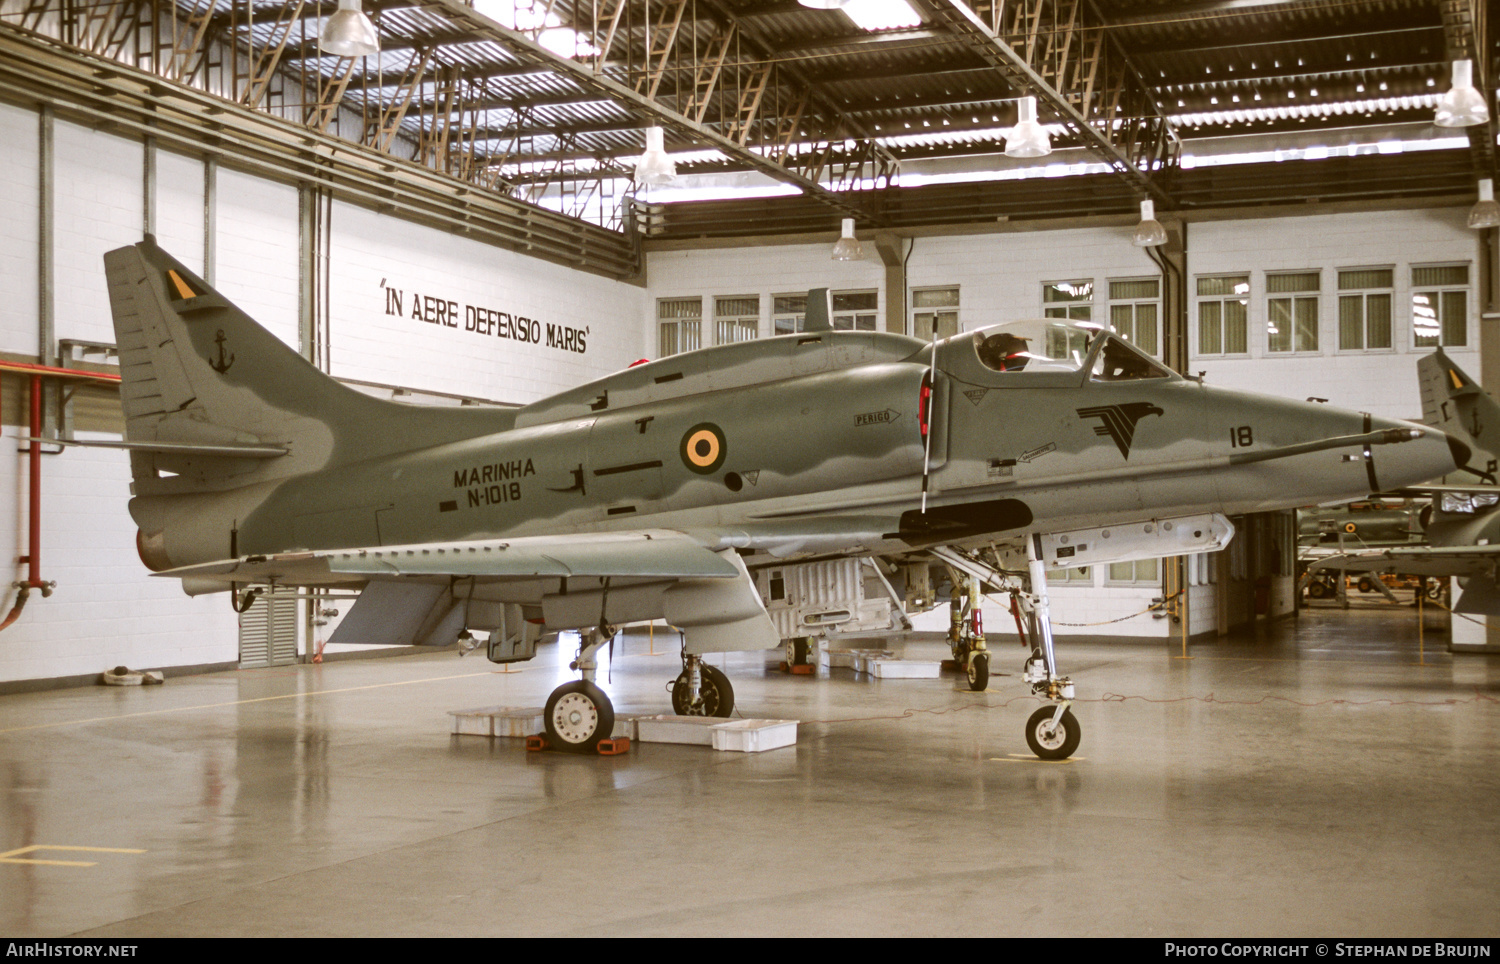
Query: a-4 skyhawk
(692, 488)
(1462, 526)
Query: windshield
(1054, 345)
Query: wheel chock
(798, 669)
(537, 743)
(614, 746)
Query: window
(1133, 310)
(1292, 318)
(1078, 576)
(1135, 573)
(736, 318)
(1223, 314)
(855, 310)
(1440, 305)
(1073, 300)
(1365, 308)
(934, 309)
(680, 322)
(788, 314)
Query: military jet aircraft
(665, 491)
(1463, 524)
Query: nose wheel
(1051, 738)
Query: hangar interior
(458, 220)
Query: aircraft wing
(644, 553)
(1415, 560)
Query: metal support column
(46, 215)
(210, 216)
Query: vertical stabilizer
(199, 374)
(1454, 402)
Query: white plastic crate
(473, 722)
(754, 736)
(692, 730)
(905, 668)
(507, 721)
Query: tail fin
(1453, 402)
(200, 374)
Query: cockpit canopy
(1054, 345)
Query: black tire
(716, 696)
(1316, 590)
(796, 651)
(578, 715)
(979, 672)
(1366, 585)
(1060, 743)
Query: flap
(657, 552)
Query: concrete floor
(1313, 782)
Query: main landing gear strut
(578, 714)
(701, 689)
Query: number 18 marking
(1241, 437)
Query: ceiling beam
(528, 50)
(964, 23)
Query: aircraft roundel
(703, 448)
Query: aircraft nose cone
(1461, 452)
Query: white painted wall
(256, 257)
(19, 194)
(98, 207)
(372, 340)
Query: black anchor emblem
(222, 365)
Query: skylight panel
(881, 14)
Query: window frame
(1201, 299)
(1364, 294)
(677, 324)
(1155, 302)
(1466, 288)
(739, 320)
(799, 319)
(854, 313)
(913, 310)
(1295, 299)
(1067, 307)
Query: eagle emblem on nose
(1119, 421)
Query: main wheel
(979, 672)
(1060, 742)
(578, 715)
(796, 651)
(1365, 585)
(715, 695)
(1317, 590)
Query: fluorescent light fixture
(349, 33)
(878, 14)
(1149, 233)
(1485, 213)
(824, 4)
(1462, 106)
(1027, 138)
(847, 248)
(654, 167)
